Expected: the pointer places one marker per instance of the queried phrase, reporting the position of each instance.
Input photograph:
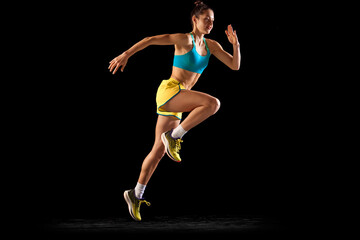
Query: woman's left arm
(232, 62)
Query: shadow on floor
(165, 225)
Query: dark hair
(198, 10)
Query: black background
(88, 131)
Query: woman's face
(205, 22)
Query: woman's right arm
(166, 39)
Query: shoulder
(182, 39)
(213, 45)
(168, 39)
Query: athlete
(174, 96)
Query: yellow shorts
(166, 91)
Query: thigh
(187, 100)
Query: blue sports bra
(192, 60)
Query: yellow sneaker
(134, 204)
(172, 146)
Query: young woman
(174, 96)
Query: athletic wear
(172, 146)
(139, 190)
(134, 204)
(178, 132)
(166, 91)
(192, 61)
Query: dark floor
(188, 225)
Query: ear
(194, 19)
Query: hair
(200, 7)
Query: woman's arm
(166, 39)
(232, 62)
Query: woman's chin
(206, 31)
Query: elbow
(148, 41)
(237, 64)
(235, 68)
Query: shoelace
(178, 146)
(144, 201)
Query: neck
(198, 36)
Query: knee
(214, 104)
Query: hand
(231, 34)
(119, 61)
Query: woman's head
(202, 17)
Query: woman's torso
(188, 78)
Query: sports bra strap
(207, 48)
(192, 38)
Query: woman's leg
(200, 105)
(133, 197)
(164, 124)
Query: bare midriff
(186, 78)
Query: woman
(174, 96)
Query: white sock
(178, 132)
(139, 190)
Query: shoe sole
(166, 144)
(128, 201)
